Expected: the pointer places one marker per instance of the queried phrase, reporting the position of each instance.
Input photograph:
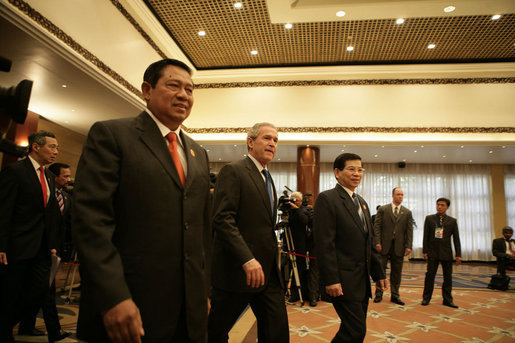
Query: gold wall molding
(359, 82)
(370, 129)
(69, 41)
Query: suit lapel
(256, 177)
(349, 205)
(152, 138)
(33, 177)
(192, 154)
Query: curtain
(509, 193)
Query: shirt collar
(259, 166)
(35, 164)
(347, 190)
(163, 128)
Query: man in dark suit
(62, 174)
(28, 231)
(393, 230)
(504, 249)
(346, 251)
(438, 230)
(245, 266)
(140, 220)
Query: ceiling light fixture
(415, 150)
(495, 17)
(376, 155)
(64, 86)
(202, 33)
(444, 156)
(431, 46)
(399, 21)
(254, 52)
(350, 48)
(238, 5)
(340, 14)
(490, 152)
(449, 9)
(288, 26)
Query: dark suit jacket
(25, 222)
(386, 223)
(64, 219)
(499, 247)
(441, 248)
(244, 226)
(139, 234)
(346, 254)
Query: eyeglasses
(355, 170)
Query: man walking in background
(438, 230)
(393, 230)
(28, 232)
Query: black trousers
(24, 285)
(396, 263)
(268, 307)
(353, 317)
(504, 263)
(429, 282)
(50, 316)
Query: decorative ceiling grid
(232, 33)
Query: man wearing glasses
(346, 252)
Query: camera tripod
(291, 255)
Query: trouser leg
(429, 282)
(447, 281)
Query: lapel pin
(192, 152)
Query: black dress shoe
(31, 332)
(312, 303)
(378, 298)
(450, 304)
(62, 335)
(397, 301)
(425, 302)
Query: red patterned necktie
(43, 184)
(172, 138)
(60, 200)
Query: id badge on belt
(439, 232)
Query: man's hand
(123, 323)
(425, 257)
(382, 285)
(379, 247)
(407, 251)
(3, 258)
(254, 272)
(334, 290)
(458, 260)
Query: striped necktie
(60, 200)
(360, 211)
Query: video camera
(13, 108)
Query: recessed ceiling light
(415, 150)
(207, 150)
(400, 21)
(449, 9)
(202, 33)
(376, 155)
(235, 145)
(278, 159)
(404, 160)
(462, 146)
(382, 146)
(470, 161)
(288, 26)
(307, 146)
(64, 86)
(444, 156)
(73, 110)
(340, 14)
(254, 52)
(495, 17)
(343, 150)
(490, 152)
(350, 48)
(238, 5)
(504, 146)
(431, 46)
(219, 158)
(422, 146)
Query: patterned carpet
(484, 315)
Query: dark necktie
(360, 211)
(43, 184)
(60, 200)
(172, 138)
(396, 212)
(269, 187)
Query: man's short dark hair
(507, 229)
(447, 201)
(155, 70)
(39, 138)
(339, 162)
(56, 168)
(393, 191)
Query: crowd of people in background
(146, 222)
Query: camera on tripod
(14, 102)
